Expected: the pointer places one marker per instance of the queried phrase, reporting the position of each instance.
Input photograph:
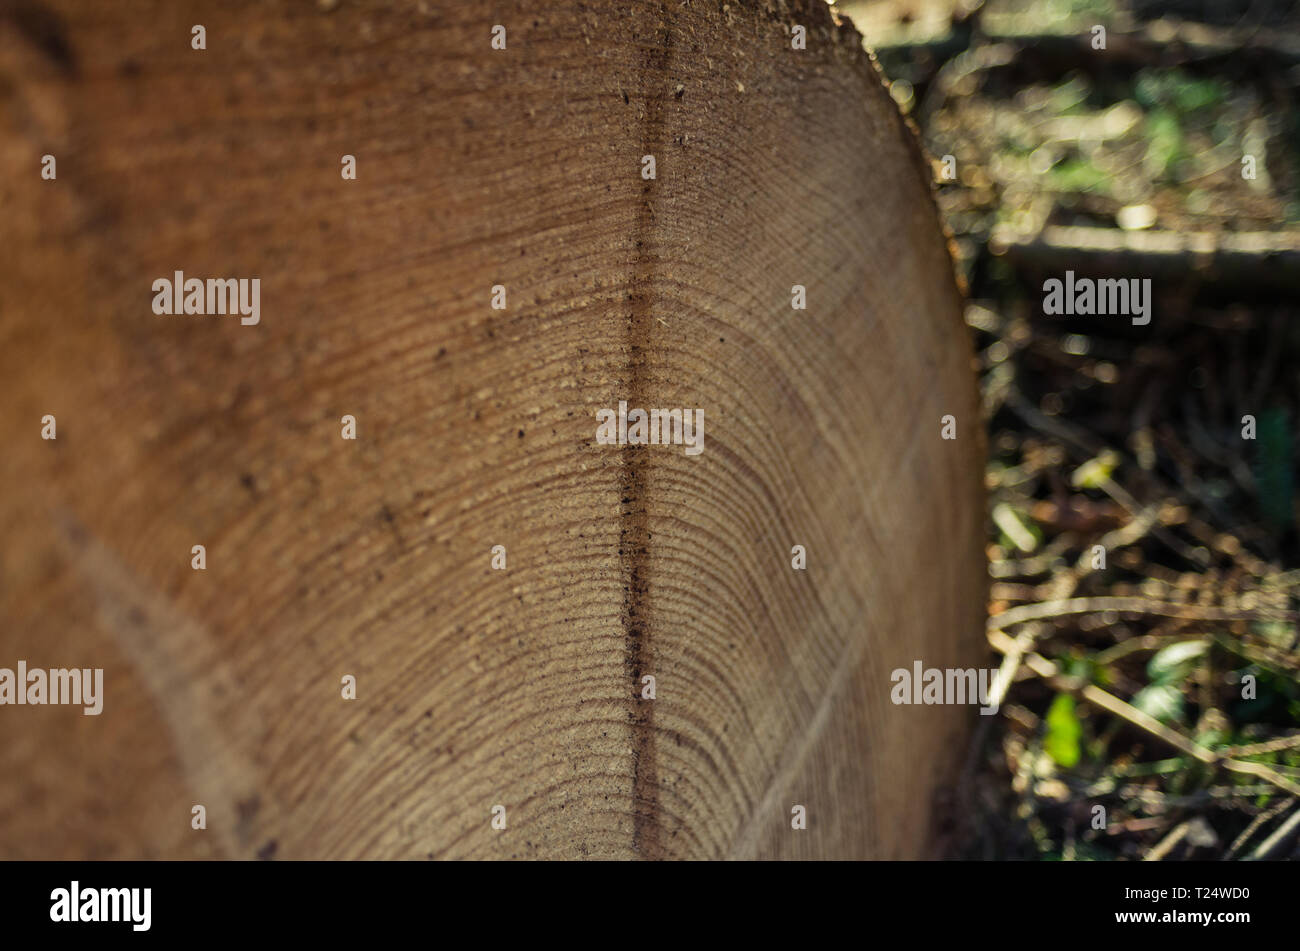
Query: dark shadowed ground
(1142, 532)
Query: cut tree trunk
(371, 558)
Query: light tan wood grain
(476, 427)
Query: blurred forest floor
(1160, 679)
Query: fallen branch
(1278, 840)
(1264, 260)
(1261, 820)
(1129, 605)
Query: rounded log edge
(477, 168)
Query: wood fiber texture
(475, 427)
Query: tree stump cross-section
(499, 269)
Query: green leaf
(1016, 528)
(1063, 732)
(1094, 473)
(1078, 175)
(1162, 701)
(1165, 145)
(1277, 633)
(1172, 664)
(1193, 94)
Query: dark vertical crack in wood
(634, 536)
